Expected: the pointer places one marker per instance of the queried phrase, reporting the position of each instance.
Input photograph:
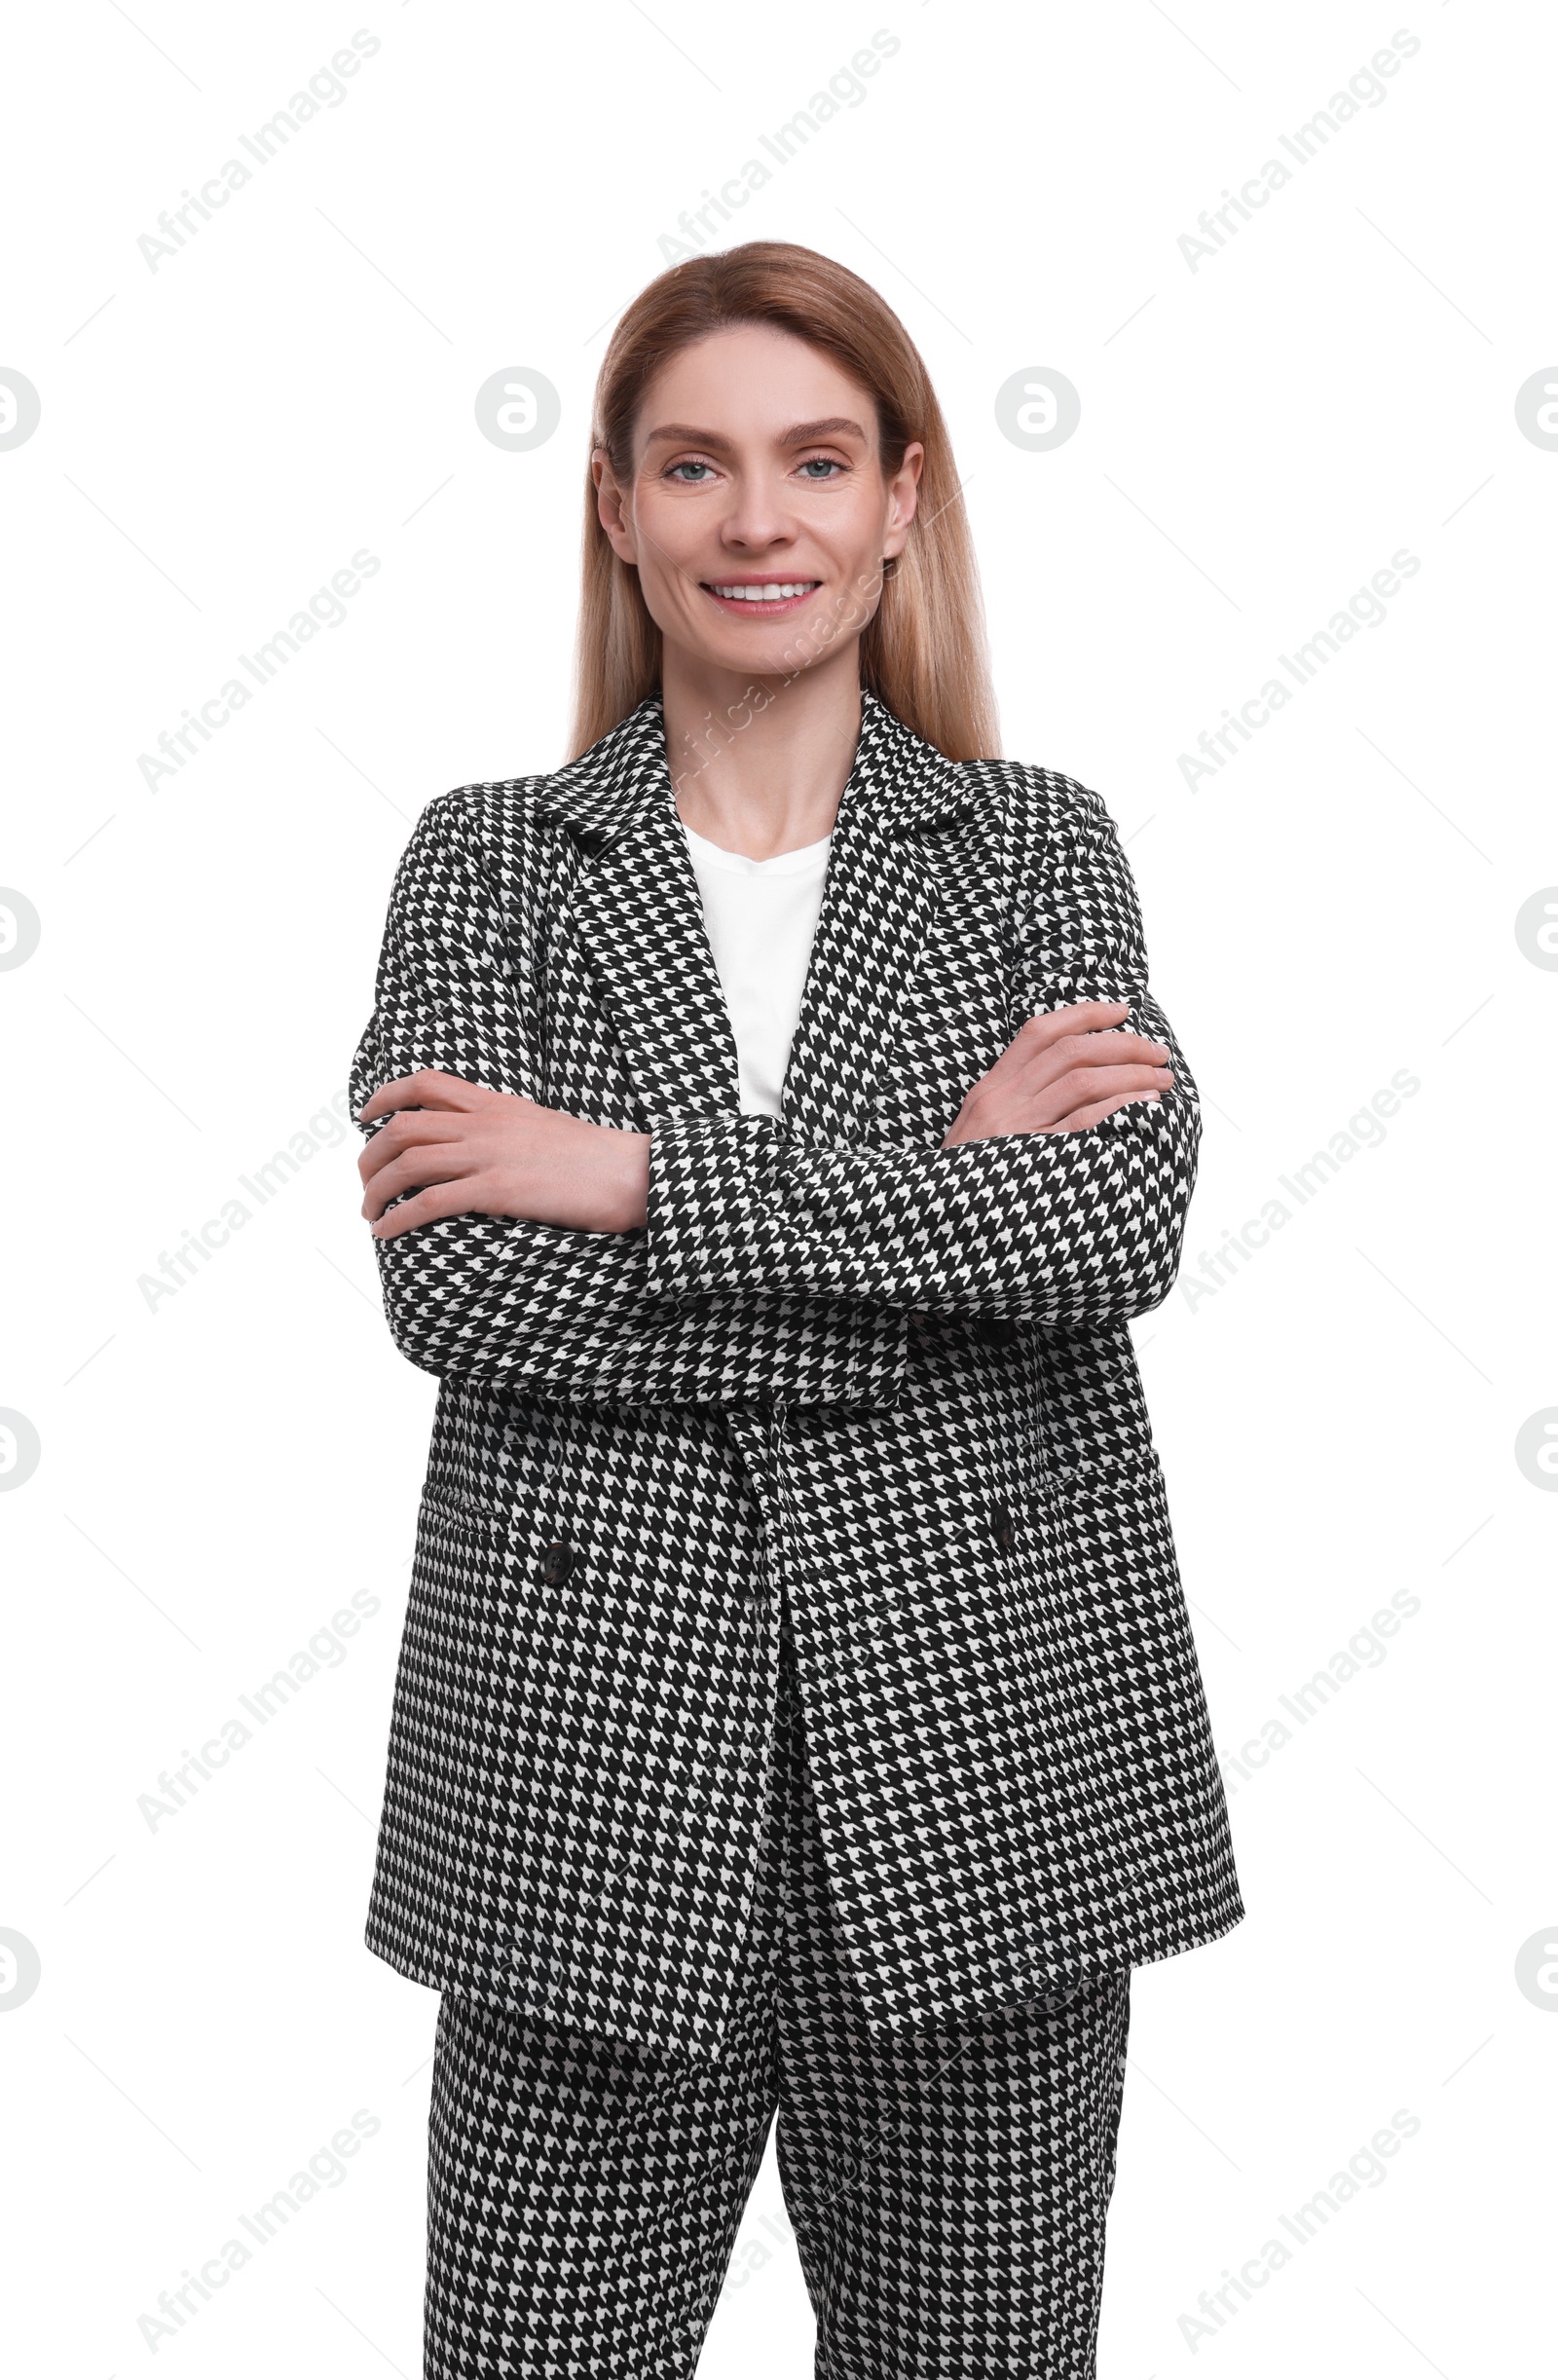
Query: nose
(757, 519)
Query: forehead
(752, 381)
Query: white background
(1337, 903)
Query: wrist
(625, 1181)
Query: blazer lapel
(881, 897)
(637, 913)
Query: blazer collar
(636, 910)
(904, 782)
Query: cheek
(851, 531)
(668, 548)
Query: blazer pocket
(448, 1509)
(1104, 1473)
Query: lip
(735, 606)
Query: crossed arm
(715, 1257)
(452, 1147)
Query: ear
(611, 510)
(902, 495)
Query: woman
(773, 1135)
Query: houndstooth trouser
(947, 2190)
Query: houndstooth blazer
(884, 1386)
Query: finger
(429, 1087)
(1086, 1008)
(433, 1205)
(405, 1091)
(1064, 1037)
(1042, 1033)
(415, 1169)
(1112, 1054)
(411, 1127)
(1083, 1086)
(1079, 1120)
(1051, 1025)
(1079, 1017)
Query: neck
(757, 765)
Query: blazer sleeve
(546, 1312)
(1060, 1229)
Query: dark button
(557, 1560)
(1005, 1527)
(998, 1331)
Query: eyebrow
(805, 433)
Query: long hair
(923, 652)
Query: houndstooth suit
(886, 1383)
(948, 2191)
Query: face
(758, 515)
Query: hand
(469, 1151)
(1063, 1072)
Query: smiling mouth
(763, 596)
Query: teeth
(770, 594)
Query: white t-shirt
(761, 916)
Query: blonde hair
(923, 652)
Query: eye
(823, 463)
(690, 465)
